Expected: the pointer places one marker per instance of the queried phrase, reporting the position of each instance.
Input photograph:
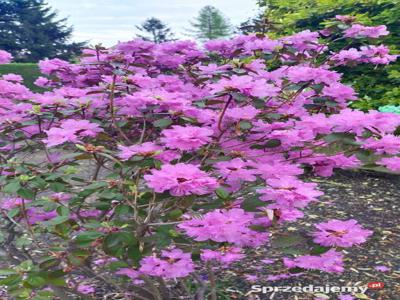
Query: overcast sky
(110, 21)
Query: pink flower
(37, 215)
(131, 273)
(298, 74)
(224, 255)
(13, 77)
(330, 261)
(48, 66)
(289, 192)
(345, 19)
(85, 289)
(172, 264)
(304, 40)
(145, 149)
(5, 57)
(267, 261)
(232, 226)
(346, 297)
(42, 82)
(392, 163)
(377, 55)
(360, 31)
(247, 85)
(382, 268)
(387, 144)
(10, 203)
(236, 170)
(181, 180)
(186, 138)
(339, 92)
(247, 112)
(340, 233)
(71, 131)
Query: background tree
(30, 30)
(376, 86)
(155, 30)
(210, 24)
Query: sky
(110, 21)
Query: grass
(29, 71)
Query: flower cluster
(181, 179)
(71, 131)
(330, 261)
(195, 154)
(171, 264)
(233, 226)
(340, 233)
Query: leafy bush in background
(376, 86)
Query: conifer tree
(155, 30)
(210, 24)
(31, 31)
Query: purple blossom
(186, 137)
(232, 226)
(382, 268)
(181, 180)
(146, 149)
(171, 264)
(71, 131)
(340, 233)
(360, 31)
(5, 57)
(85, 289)
(224, 255)
(392, 163)
(330, 261)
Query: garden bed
(370, 198)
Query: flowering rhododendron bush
(153, 169)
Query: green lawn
(29, 71)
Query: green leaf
(175, 214)
(6, 272)
(56, 221)
(343, 137)
(251, 204)
(57, 187)
(36, 281)
(272, 143)
(162, 123)
(222, 193)
(11, 280)
(116, 243)
(84, 239)
(245, 125)
(285, 241)
(26, 193)
(12, 187)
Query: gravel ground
(372, 199)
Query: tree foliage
(210, 24)
(30, 30)
(155, 30)
(376, 86)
